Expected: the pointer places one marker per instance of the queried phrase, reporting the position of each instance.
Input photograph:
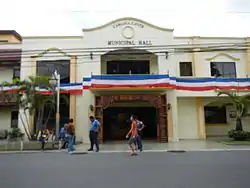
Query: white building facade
(180, 80)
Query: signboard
(128, 33)
(131, 97)
(130, 42)
(128, 23)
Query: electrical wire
(122, 51)
(82, 60)
(107, 49)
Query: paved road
(118, 170)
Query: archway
(129, 61)
(157, 101)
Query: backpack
(139, 124)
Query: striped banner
(165, 81)
(72, 88)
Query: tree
(240, 104)
(31, 100)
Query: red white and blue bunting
(165, 81)
(72, 88)
(148, 81)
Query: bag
(139, 124)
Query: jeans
(74, 142)
(93, 137)
(139, 142)
(70, 143)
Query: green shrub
(15, 133)
(238, 135)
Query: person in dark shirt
(140, 126)
(44, 137)
(93, 133)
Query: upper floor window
(186, 69)
(16, 72)
(223, 69)
(128, 67)
(47, 68)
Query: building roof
(11, 32)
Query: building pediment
(57, 50)
(126, 22)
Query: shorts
(132, 140)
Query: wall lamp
(169, 106)
(91, 107)
(166, 55)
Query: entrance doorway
(117, 122)
(157, 102)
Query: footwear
(90, 149)
(97, 150)
(71, 152)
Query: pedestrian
(93, 133)
(70, 135)
(140, 126)
(63, 137)
(44, 136)
(133, 135)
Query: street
(210, 169)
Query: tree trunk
(24, 126)
(238, 124)
(47, 120)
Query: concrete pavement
(227, 169)
(183, 145)
(186, 145)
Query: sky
(67, 17)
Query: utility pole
(57, 78)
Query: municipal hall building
(129, 66)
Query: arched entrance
(129, 61)
(157, 101)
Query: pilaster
(201, 128)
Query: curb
(127, 151)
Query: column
(247, 56)
(83, 102)
(196, 60)
(201, 128)
(72, 106)
(173, 129)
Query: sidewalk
(183, 145)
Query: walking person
(140, 126)
(133, 136)
(70, 136)
(93, 133)
(63, 137)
